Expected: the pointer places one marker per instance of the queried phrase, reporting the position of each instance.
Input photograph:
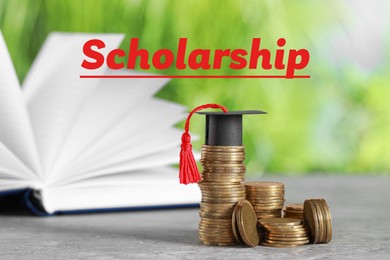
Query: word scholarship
(257, 58)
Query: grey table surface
(359, 206)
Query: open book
(85, 144)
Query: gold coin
(311, 219)
(218, 244)
(295, 206)
(216, 240)
(297, 242)
(222, 200)
(262, 215)
(276, 245)
(247, 223)
(219, 206)
(221, 189)
(223, 193)
(206, 233)
(209, 232)
(227, 185)
(210, 155)
(222, 179)
(214, 222)
(287, 235)
(227, 175)
(264, 184)
(265, 195)
(234, 170)
(293, 211)
(321, 221)
(213, 157)
(217, 161)
(203, 214)
(236, 232)
(266, 203)
(285, 230)
(293, 216)
(328, 220)
(282, 221)
(207, 220)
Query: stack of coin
(317, 217)
(221, 187)
(267, 198)
(294, 210)
(283, 232)
(244, 223)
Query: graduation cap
(222, 129)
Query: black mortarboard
(222, 129)
(225, 128)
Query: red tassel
(188, 172)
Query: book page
(12, 168)
(15, 127)
(156, 187)
(133, 137)
(150, 160)
(54, 92)
(111, 102)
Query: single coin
(233, 170)
(222, 215)
(276, 245)
(219, 205)
(215, 233)
(268, 207)
(266, 184)
(256, 202)
(222, 200)
(223, 193)
(276, 195)
(247, 223)
(231, 160)
(293, 211)
(297, 242)
(295, 206)
(227, 175)
(218, 244)
(287, 235)
(266, 215)
(281, 221)
(215, 222)
(222, 179)
(221, 156)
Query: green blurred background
(338, 121)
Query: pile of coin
(294, 210)
(221, 187)
(267, 198)
(283, 232)
(317, 216)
